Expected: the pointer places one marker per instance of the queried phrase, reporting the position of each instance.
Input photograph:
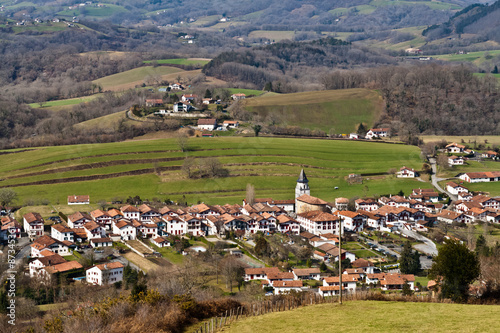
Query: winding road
(435, 180)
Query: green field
(373, 316)
(94, 12)
(180, 61)
(110, 121)
(64, 102)
(362, 9)
(372, 6)
(474, 57)
(134, 76)
(247, 92)
(437, 5)
(271, 164)
(342, 110)
(272, 35)
(497, 76)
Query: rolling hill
(152, 168)
(342, 110)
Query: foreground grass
(375, 316)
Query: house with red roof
(33, 224)
(78, 199)
(78, 219)
(479, 177)
(104, 274)
(454, 148)
(456, 160)
(207, 124)
(318, 222)
(377, 133)
(406, 172)
(285, 287)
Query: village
(320, 225)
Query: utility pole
(340, 261)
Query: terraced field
(152, 169)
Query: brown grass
(143, 263)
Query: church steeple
(302, 177)
(302, 185)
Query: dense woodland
(431, 99)
(38, 67)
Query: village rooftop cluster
(315, 220)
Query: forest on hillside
(321, 15)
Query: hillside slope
(152, 169)
(356, 316)
(477, 22)
(342, 110)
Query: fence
(290, 302)
(295, 301)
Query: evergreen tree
(456, 267)
(407, 289)
(481, 248)
(415, 267)
(406, 260)
(409, 263)
(323, 267)
(362, 129)
(208, 94)
(495, 70)
(257, 129)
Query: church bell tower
(302, 185)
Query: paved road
(429, 248)
(425, 262)
(435, 180)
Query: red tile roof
(78, 198)
(311, 200)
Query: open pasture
(342, 110)
(152, 169)
(181, 61)
(129, 79)
(375, 316)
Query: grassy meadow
(474, 57)
(272, 35)
(180, 61)
(342, 110)
(64, 103)
(131, 78)
(487, 140)
(118, 170)
(375, 316)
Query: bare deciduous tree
(250, 194)
(182, 141)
